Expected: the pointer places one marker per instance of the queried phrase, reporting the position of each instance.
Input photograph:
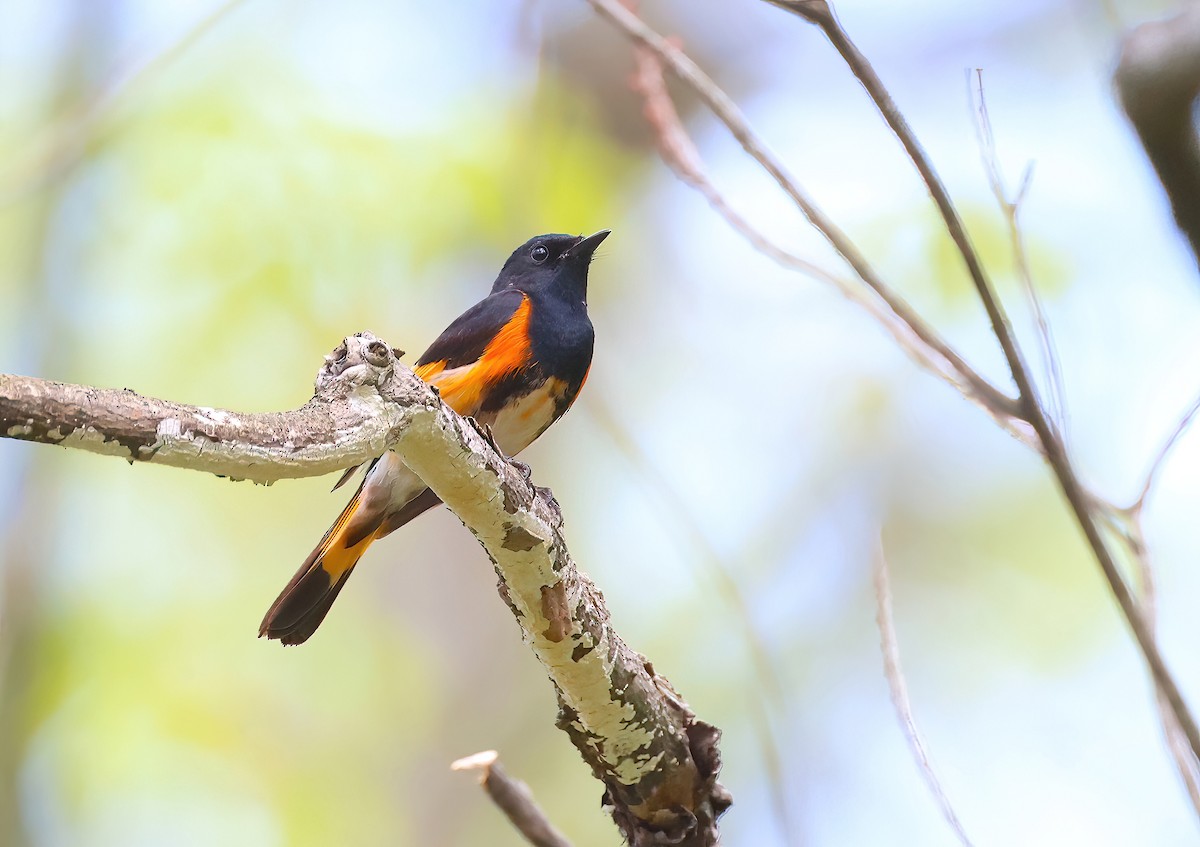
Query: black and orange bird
(514, 361)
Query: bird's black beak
(585, 247)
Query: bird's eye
(539, 253)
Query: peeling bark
(658, 762)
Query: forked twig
(1082, 503)
(1026, 407)
(1134, 534)
(1130, 529)
(731, 116)
(1128, 523)
(680, 154)
(1160, 458)
(1010, 207)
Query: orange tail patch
(303, 604)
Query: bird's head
(555, 263)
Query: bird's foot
(486, 431)
(548, 495)
(525, 470)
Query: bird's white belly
(391, 484)
(518, 424)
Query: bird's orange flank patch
(430, 370)
(464, 388)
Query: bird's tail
(303, 604)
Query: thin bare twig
(1011, 209)
(64, 142)
(1177, 743)
(775, 708)
(1078, 498)
(898, 689)
(1128, 523)
(513, 798)
(731, 116)
(1026, 406)
(1130, 527)
(1048, 438)
(680, 154)
(1160, 458)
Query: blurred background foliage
(198, 201)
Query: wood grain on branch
(658, 762)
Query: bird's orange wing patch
(464, 388)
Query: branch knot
(361, 360)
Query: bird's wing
(483, 346)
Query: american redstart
(515, 361)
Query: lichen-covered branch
(658, 762)
(351, 419)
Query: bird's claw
(486, 431)
(525, 470)
(548, 495)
